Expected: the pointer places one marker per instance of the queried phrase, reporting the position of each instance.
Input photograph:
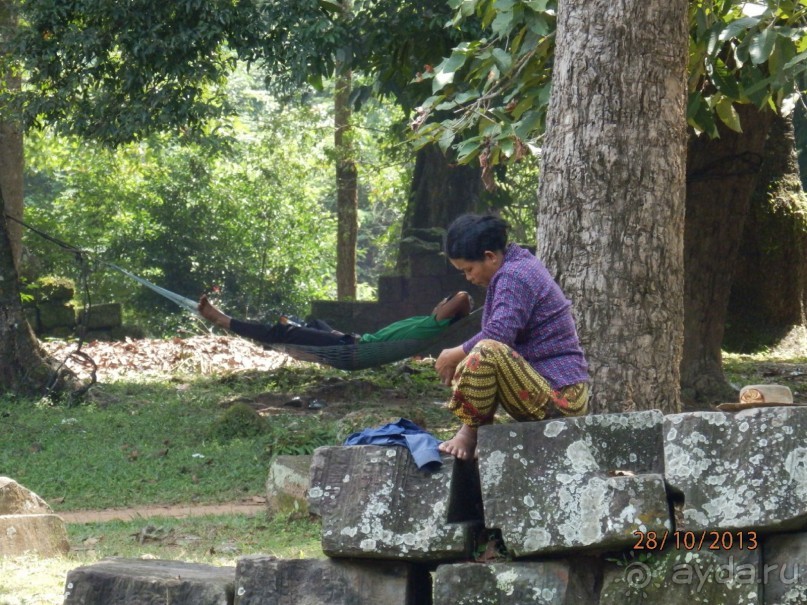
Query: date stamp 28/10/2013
(690, 540)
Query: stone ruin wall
(703, 507)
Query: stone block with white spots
(375, 503)
(287, 485)
(574, 483)
(534, 582)
(261, 580)
(738, 470)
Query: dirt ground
(180, 511)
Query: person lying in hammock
(317, 333)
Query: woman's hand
(447, 363)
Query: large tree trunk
(23, 369)
(769, 287)
(611, 194)
(441, 191)
(11, 149)
(721, 175)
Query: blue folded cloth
(421, 443)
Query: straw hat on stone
(760, 395)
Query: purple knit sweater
(526, 309)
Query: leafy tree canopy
(118, 71)
(490, 95)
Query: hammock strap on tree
(76, 354)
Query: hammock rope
(358, 356)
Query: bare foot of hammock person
(317, 333)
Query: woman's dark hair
(470, 235)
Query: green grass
(141, 443)
(158, 443)
(215, 540)
(152, 446)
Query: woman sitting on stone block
(317, 333)
(527, 356)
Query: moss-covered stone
(56, 315)
(102, 317)
(240, 420)
(52, 288)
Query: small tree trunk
(611, 194)
(347, 194)
(347, 186)
(721, 175)
(768, 290)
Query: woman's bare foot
(462, 445)
(211, 313)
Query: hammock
(358, 356)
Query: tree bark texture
(347, 193)
(23, 369)
(768, 290)
(611, 194)
(721, 176)
(11, 144)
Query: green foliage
(490, 94)
(253, 219)
(250, 224)
(744, 53)
(239, 421)
(165, 62)
(307, 41)
(167, 66)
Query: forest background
(130, 151)
(156, 82)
